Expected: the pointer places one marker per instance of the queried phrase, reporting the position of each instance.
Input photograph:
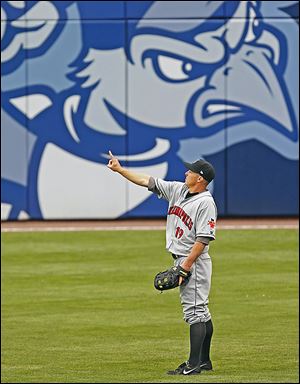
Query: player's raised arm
(136, 178)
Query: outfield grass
(80, 307)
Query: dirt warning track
(137, 224)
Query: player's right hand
(113, 163)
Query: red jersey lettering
(186, 219)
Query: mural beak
(248, 88)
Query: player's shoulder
(205, 199)
(206, 196)
(180, 188)
(170, 187)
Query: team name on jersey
(186, 219)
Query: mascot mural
(155, 83)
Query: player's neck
(197, 189)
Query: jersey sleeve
(164, 189)
(206, 220)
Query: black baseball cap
(204, 168)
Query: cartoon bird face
(191, 78)
(173, 80)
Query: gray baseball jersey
(190, 219)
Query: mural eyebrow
(179, 29)
(196, 52)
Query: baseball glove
(169, 279)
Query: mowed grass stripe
(81, 307)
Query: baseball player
(191, 225)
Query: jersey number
(179, 232)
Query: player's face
(191, 178)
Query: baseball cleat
(206, 365)
(185, 369)
(178, 370)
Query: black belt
(175, 257)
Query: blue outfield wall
(156, 83)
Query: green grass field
(80, 307)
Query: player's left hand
(169, 279)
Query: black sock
(197, 336)
(206, 343)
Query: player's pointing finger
(110, 154)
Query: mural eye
(173, 69)
(176, 69)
